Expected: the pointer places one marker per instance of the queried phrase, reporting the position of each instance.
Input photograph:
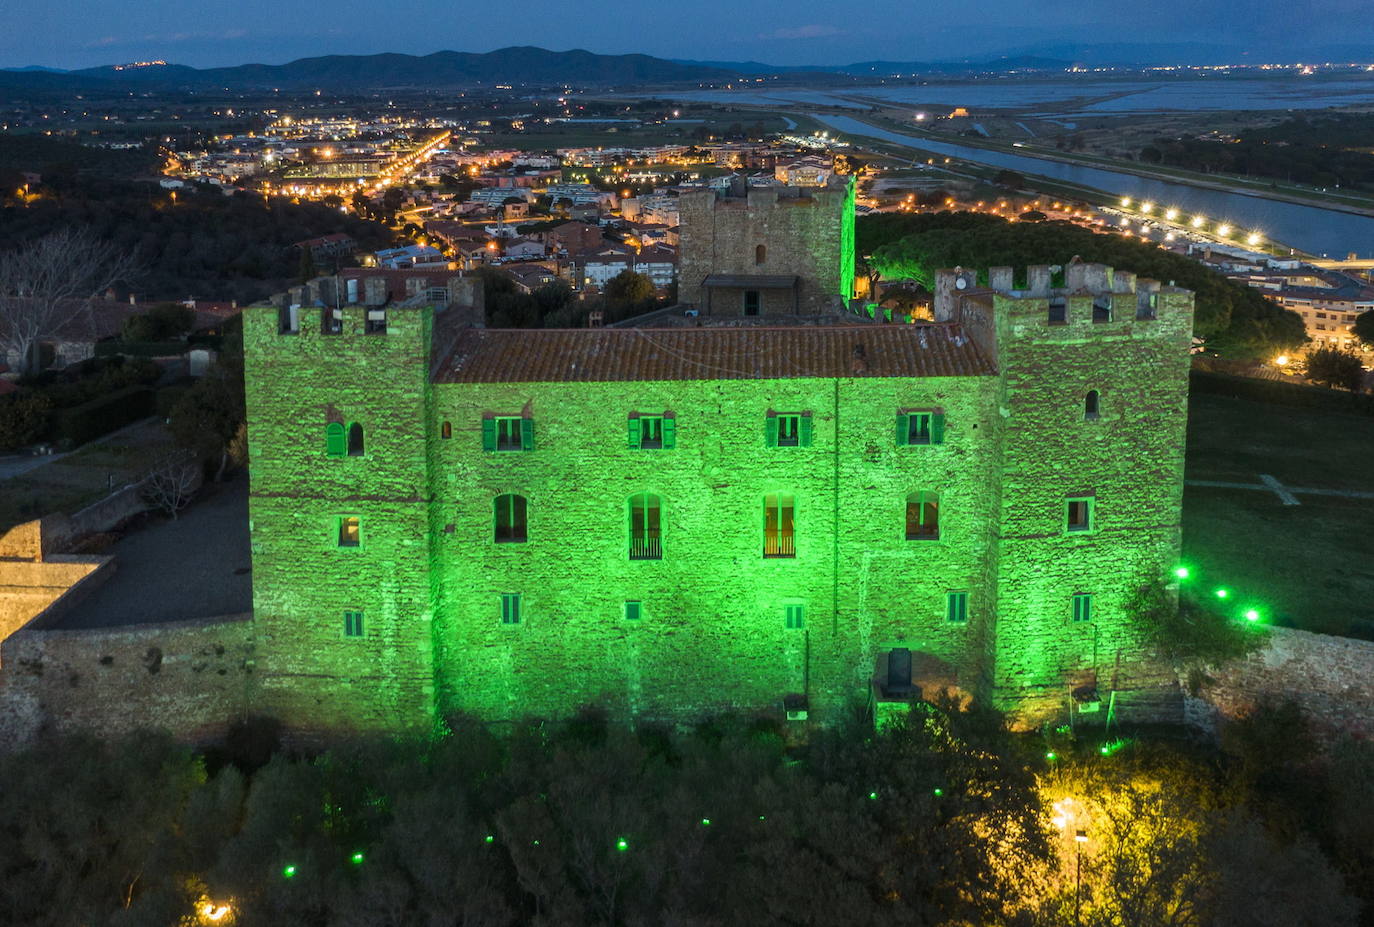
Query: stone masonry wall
(712, 637)
(304, 581)
(809, 237)
(192, 678)
(1330, 678)
(1129, 460)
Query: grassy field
(1309, 565)
(85, 476)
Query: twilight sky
(205, 33)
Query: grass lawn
(85, 476)
(1310, 565)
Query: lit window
(788, 429)
(510, 608)
(446, 430)
(779, 526)
(793, 617)
(511, 519)
(1078, 514)
(350, 531)
(355, 440)
(956, 607)
(353, 624)
(508, 433)
(646, 538)
(923, 516)
(915, 428)
(1082, 607)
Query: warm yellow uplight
(1197, 222)
(1146, 207)
(1171, 215)
(1281, 360)
(214, 912)
(1254, 238)
(1125, 202)
(1223, 230)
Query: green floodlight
(1223, 593)
(1251, 615)
(873, 796)
(491, 838)
(357, 859)
(939, 792)
(1181, 572)
(1104, 750)
(622, 844)
(288, 871)
(1051, 756)
(705, 822)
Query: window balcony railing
(779, 546)
(648, 547)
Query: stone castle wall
(810, 237)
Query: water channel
(1309, 228)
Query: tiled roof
(603, 354)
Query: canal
(1309, 228)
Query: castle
(669, 521)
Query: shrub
(162, 322)
(23, 419)
(101, 416)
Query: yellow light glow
(1281, 360)
(1197, 222)
(1125, 202)
(1254, 238)
(213, 912)
(1171, 215)
(1146, 207)
(1223, 230)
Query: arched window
(1090, 405)
(760, 254)
(355, 440)
(335, 441)
(779, 526)
(923, 516)
(511, 519)
(446, 430)
(646, 534)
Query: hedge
(1280, 393)
(79, 424)
(141, 348)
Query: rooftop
(752, 353)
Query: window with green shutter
(794, 617)
(1078, 514)
(956, 607)
(507, 433)
(335, 440)
(916, 428)
(652, 432)
(1082, 606)
(788, 429)
(353, 624)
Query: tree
(629, 287)
(305, 270)
(172, 483)
(1011, 179)
(160, 323)
(1335, 368)
(1364, 328)
(208, 417)
(50, 283)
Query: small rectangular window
(508, 434)
(956, 607)
(650, 429)
(1082, 607)
(510, 608)
(634, 611)
(350, 531)
(1078, 514)
(793, 617)
(789, 429)
(751, 302)
(353, 624)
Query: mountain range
(528, 65)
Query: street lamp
(1080, 837)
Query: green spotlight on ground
(1223, 593)
(1181, 572)
(939, 792)
(873, 796)
(357, 859)
(622, 844)
(1051, 756)
(1251, 615)
(288, 871)
(491, 838)
(705, 822)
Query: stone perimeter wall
(1330, 678)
